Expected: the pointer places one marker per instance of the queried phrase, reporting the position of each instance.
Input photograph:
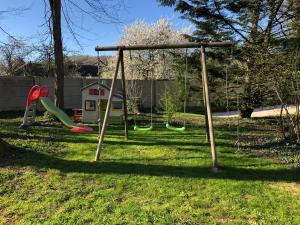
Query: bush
(172, 100)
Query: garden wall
(14, 90)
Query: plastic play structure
(40, 94)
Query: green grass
(157, 177)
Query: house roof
(115, 94)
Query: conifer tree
(254, 24)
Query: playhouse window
(90, 105)
(96, 92)
(102, 92)
(93, 92)
(117, 105)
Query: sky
(28, 24)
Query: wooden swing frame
(210, 137)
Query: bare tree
(14, 12)
(55, 6)
(100, 10)
(13, 57)
(4, 146)
(45, 55)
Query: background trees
(154, 64)
(4, 146)
(13, 57)
(265, 64)
(251, 22)
(149, 64)
(255, 25)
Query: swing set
(120, 63)
(144, 128)
(167, 125)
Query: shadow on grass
(169, 143)
(144, 139)
(43, 161)
(154, 159)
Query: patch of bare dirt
(291, 188)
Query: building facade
(90, 103)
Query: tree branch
(273, 13)
(8, 34)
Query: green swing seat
(180, 129)
(137, 128)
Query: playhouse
(90, 100)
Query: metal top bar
(165, 46)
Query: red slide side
(44, 91)
(36, 92)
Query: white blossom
(150, 64)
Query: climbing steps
(30, 114)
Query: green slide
(61, 115)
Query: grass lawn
(157, 177)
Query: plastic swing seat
(137, 128)
(169, 127)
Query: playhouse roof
(115, 94)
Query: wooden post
(106, 115)
(154, 93)
(207, 139)
(165, 46)
(124, 95)
(209, 113)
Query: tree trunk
(247, 112)
(282, 123)
(255, 13)
(55, 6)
(247, 98)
